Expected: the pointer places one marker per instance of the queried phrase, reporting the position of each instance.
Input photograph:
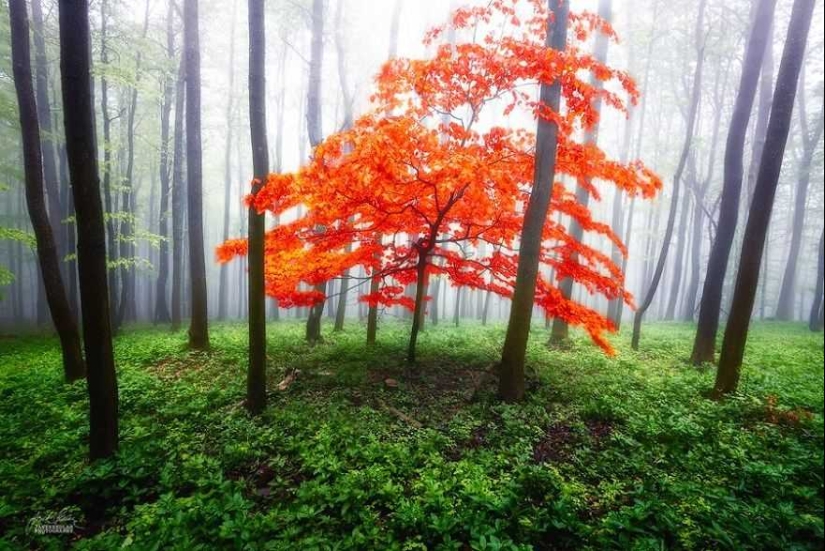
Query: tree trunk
(560, 330)
(178, 206)
(75, 54)
(678, 264)
(199, 324)
(787, 293)
(256, 374)
(420, 289)
(814, 321)
(47, 252)
(511, 370)
(111, 235)
(736, 331)
(704, 344)
(695, 95)
(316, 135)
(161, 314)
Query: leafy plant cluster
(605, 453)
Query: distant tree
(178, 202)
(81, 149)
(809, 136)
(47, 254)
(704, 345)
(736, 331)
(161, 314)
(223, 278)
(108, 199)
(690, 123)
(199, 324)
(815, 319)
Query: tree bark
(199, 324)
(511, 369)
(736, 331)
(75, 61)
(111, 235)
(47, 251)
(256, 374)
(704, 345)
(420, 290)
(695, 95)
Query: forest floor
(605, 453)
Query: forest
(412, 274)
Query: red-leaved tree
(420, 181)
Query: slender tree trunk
(696, 94)
(71, 236)
(111, 235)
(678, 264)
(736, 331)
(375, 281)
(316, 135)
(814, 321)
(161, 314)
(178, 187)
(763, 110)
(199, 324)
(704, 345)
(560, 330)
(511, 370)
(787, 292)
(420, 289)
(47, 252)
(75, 61)
(256, 374)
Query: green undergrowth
(362, 452)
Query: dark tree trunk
(199, 324)
(55, 208)
(223, 281)
(787, 293)
(560, 331)
(418, 312)
(704, 345)
(161, 303)
(71, 236)
(47, 252)
(511, 370)
(763, 110)
(256, 374)
(178, 207)
(815, 319)
(736, 331)
(75, 61)
(695, 96)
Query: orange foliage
(424, 178)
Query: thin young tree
(78, 120)
(178, 164)
(511, 369)
(747, 279)
(256, 374)
(316, 135)
(815, 318)
(704, 345)
(223, 278)
(560, 330)
(199, 323)
(161, 314)
(47, 252)
(690, 123)
(809, 136)
(108, 199)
